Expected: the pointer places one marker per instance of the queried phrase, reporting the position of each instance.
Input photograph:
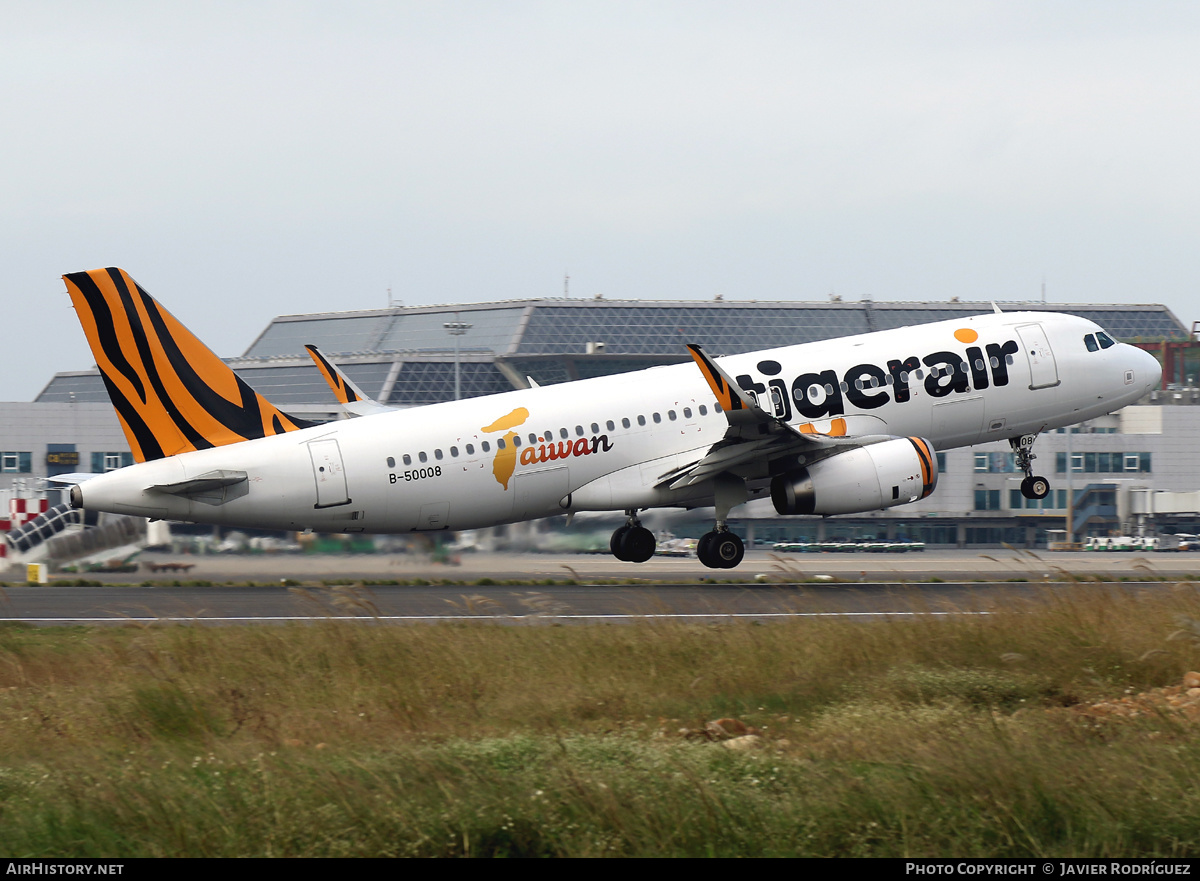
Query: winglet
(343, 386)
(171, 393)
(738, 406)
(354, 400)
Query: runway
(770, 586)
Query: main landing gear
(1032, 487)
(632, 542)
(720, 549)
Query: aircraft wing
(756, 439)
(354, 400)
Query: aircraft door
(329, 473)
(1043, 370)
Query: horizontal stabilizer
(204, 483)
(71, 479)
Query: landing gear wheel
(1035, 487)
(720, 550)
(637, 545)
(615, 543)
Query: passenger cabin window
(657, 418)
(422, 456)
(437, 454)
(641, 420)
(610, 425)
(454, 452)
(391, 462)
(485, 446)
(703, 410)
(407, 459)
(625, 422)
(470, 449)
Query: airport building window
(987, 500)
(995, 463)
(1057, 500)
(102, 462)
(17, 462)
(1104, 463)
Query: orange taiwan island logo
(547, 450)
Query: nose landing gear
(1033, 486)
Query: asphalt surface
(861, 585)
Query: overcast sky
(248, 159)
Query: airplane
(840, 426)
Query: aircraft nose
(1147, 370)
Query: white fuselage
(604, 444)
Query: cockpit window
(1090, 342)
(1105, 340)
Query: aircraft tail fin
(171, 393)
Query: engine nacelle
(868, 478)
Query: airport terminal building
(413, 355)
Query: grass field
(963, 736)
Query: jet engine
(869, 478)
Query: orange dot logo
(965, 335)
